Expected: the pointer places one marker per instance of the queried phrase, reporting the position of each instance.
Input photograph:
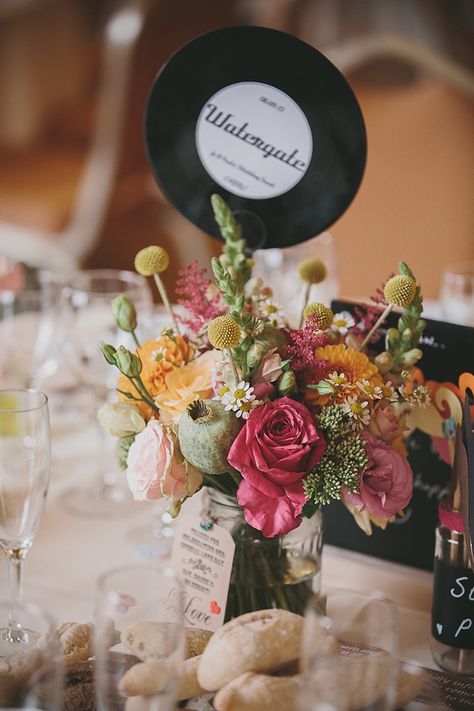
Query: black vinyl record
(264, 120)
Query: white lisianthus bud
(121, 419)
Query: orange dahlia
(159, 356)
(354, 367)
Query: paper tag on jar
(202, 554)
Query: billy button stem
(152, 261)
(224, 333)
(400, 290)
(311, 271)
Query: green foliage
(406, 336)
(343, 461)
(233, 254)
(124, 444)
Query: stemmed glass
(362, 671)
(25, 444)
(33, 678)
(86, 302)
(30, 333)
(139, 632)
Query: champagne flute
(86, 301)
(25, 444)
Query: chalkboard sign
(447, 353)
(453, 606)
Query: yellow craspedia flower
(312, 270)
(400, 290)
(152, 260)
(321, 314)
(223, 332)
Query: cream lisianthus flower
(184, 385)
(121, 419)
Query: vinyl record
(264, 120)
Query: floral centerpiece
(276, 421)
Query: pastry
(151, 677)
(361, 685)
(257, 641)
(150, 639)
(249, 692)
(409, 684)
(196, 642)
(75, 641)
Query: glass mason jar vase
(282, 572)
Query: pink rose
(386, 486)
(276, 448)
(152, 470)
(269, 369)
(387, 423)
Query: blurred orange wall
(415, 202)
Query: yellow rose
(183, 385)
(158, 356)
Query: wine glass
(139, 618)
(33, 677)
(279, 270)
(30, 333)
(457, 293)
(86, 301)
(360, 672)
(25, 444)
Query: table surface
(70, 552)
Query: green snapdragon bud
(124, 313)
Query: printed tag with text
(203, 554)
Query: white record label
(254, 140)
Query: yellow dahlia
(353, 365)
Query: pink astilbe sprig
(368, 314)
(301, 347)
(194, 292)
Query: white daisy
(374, 392)
(357, 411)
(240, 399)
(271, 312)
(342, 322)
(338, 379)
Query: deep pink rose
(386, 486)
(152, 469)
(276, 448)
(264, 390)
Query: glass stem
(15, 633)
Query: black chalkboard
(448, 351)
(453, 606)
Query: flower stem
(307, 292)
(134, 336)
(230, 357)
(164, 298)
(376, 325)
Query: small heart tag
(439, 628)
(215, 609)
